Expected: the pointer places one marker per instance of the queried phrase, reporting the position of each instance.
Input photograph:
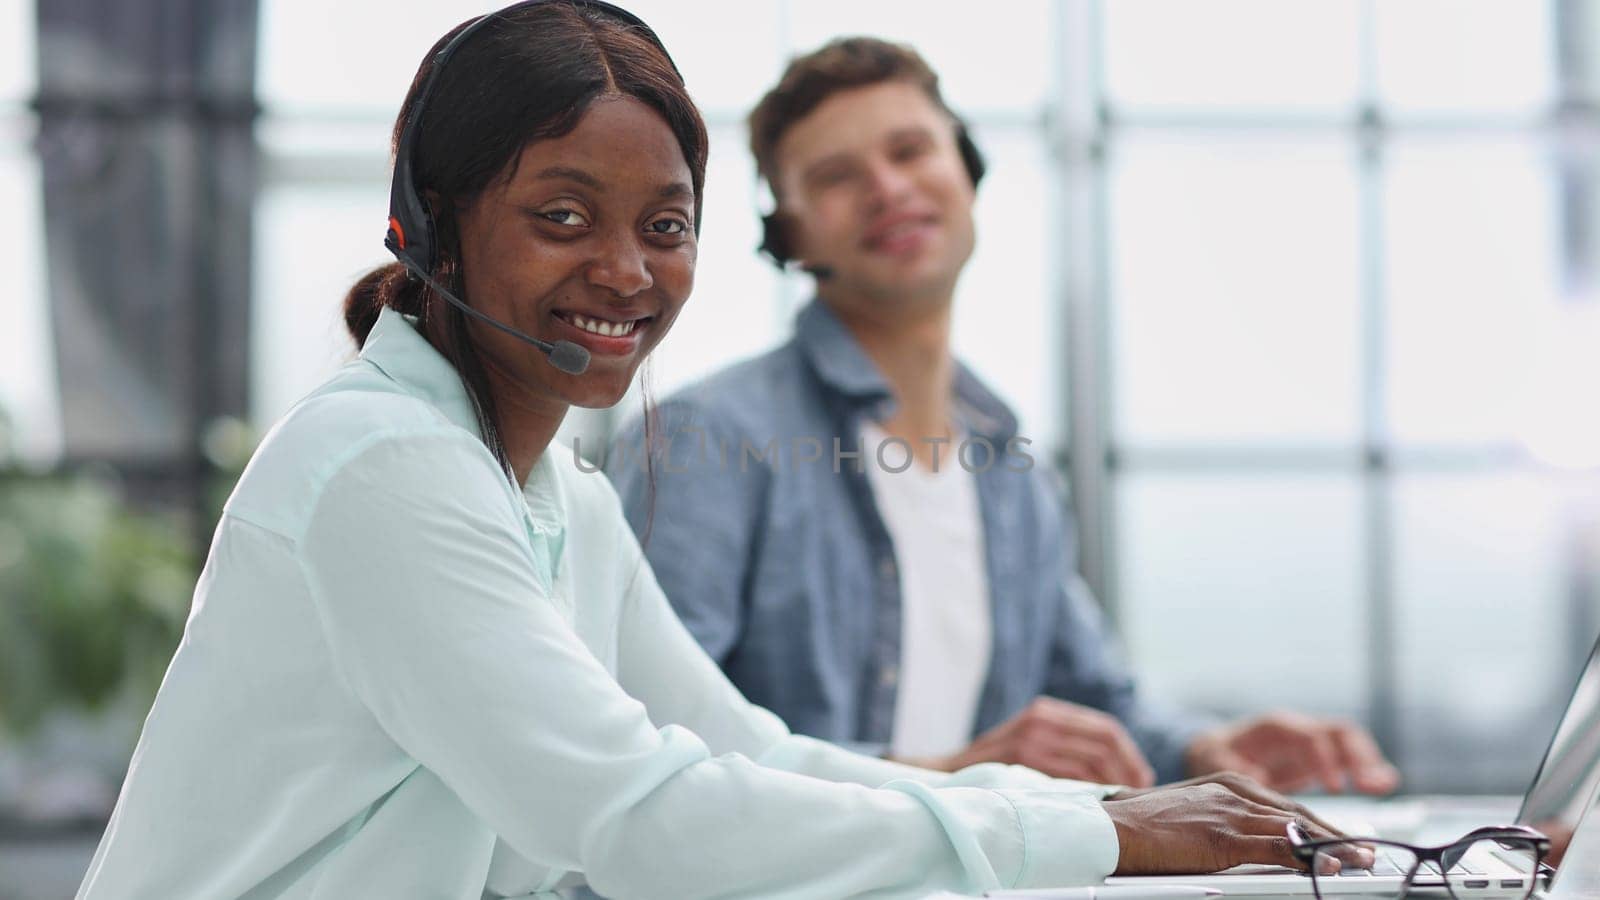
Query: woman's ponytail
(387, 285)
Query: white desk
(1418, 819)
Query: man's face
(874, 189)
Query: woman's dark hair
(530, 74)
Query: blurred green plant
(93, 597)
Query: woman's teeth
(602, 327)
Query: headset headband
(411, 232)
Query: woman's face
(589, 240)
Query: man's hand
(1060, 739)
(1290, 752)
(1560, 835)
(1211, 824)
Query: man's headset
(775, 240)
(411, 236)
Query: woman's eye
(668, 226)
(564, 217)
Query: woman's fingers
(1257, 793)
(1213, 826)
(1264, 840)
(1266, 849)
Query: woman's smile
(609, 334)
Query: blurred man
(851, 524)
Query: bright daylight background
(1300, 296)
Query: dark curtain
(149, 164)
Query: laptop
(1563, 790)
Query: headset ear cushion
(971, 156)
(430, 239)
(410, 219)
(775, 238)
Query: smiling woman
(427, 658)
(501, 214)
(601, 255)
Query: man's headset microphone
(777, 244)
(411, 236)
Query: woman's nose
(620, 267)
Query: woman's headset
(411, 236)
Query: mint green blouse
(403, 677)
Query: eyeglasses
(1466, 867)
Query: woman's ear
(446, 231)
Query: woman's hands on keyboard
(1212, 823)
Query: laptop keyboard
(1386, 865)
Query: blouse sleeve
(438, 621)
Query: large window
(1340, 247)
(27, 364)
(1300, 295)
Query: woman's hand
(1213, 823)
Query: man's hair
(839, 65)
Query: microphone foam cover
(569, 357)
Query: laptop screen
(1571, 768)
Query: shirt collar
(400, 351)
(846, 369)
(839, 361)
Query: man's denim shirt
(764, 533)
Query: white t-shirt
(933, 519)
